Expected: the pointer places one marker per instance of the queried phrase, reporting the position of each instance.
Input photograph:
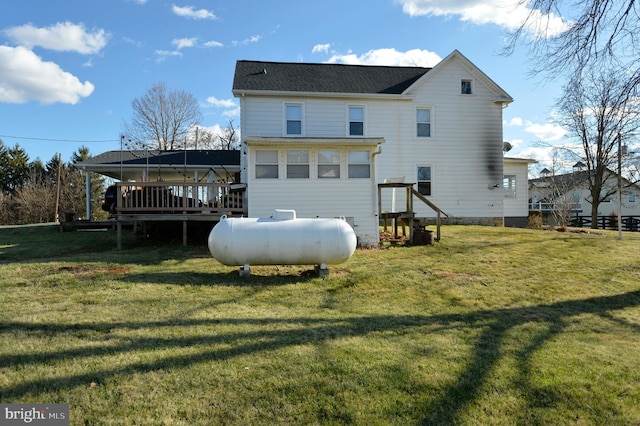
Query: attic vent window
(465, 87)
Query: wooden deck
(143, 202)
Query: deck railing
(547, 207)
(180, 198)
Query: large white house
(319, 138)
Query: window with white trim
(356, 121)
(266, 164)
(465, 87)
(509, 185)
(424, 180)
(632, 196)
(297, 164)
(423, 122)
(359, 164)
(328, 163)
(293, 119)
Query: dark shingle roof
(324, 78)
(193, 157)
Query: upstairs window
(632, 196)
(509, 185)
(297, 164)
(423, 122)
(359, 164)
(294, 119)
(266, 164)
(424, 180)
(465, 87)
(356, 121)
(329, 163)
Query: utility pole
(58, 189)
(619, 186)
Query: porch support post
(119, 233)
(87, 184)
(184, 233)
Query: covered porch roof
(172, 166)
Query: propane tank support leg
(322, 270)
(245, 271)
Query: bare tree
(225, 139)
(228, 137)
(162, 118)
(596, 111)
(595, 32)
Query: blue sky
(69, 70)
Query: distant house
(319, 138)
(571, 191)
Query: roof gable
(252, 76)
(501, 95)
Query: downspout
(375, 181)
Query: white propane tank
(281, 240)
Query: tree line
(36, 192)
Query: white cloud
(546, 132)
(415, 57)
(515, 121)
(232, 112)
(191, 12)
(321, 48)
(63, 36)
(221, 103)
(24, 76)
(252, 39)
(164, 54)
(213, 43)
(181, 43)
(509, 14)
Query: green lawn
(488, 326)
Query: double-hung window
(266, 164)
(328, 163)
(359, 164)
(424, 180)
(423, 122)
(293, 119)
(509, 185)
(297, 164)
(356, 121)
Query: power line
(59, 140)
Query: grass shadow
(449, 407)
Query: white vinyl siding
(464, 147)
